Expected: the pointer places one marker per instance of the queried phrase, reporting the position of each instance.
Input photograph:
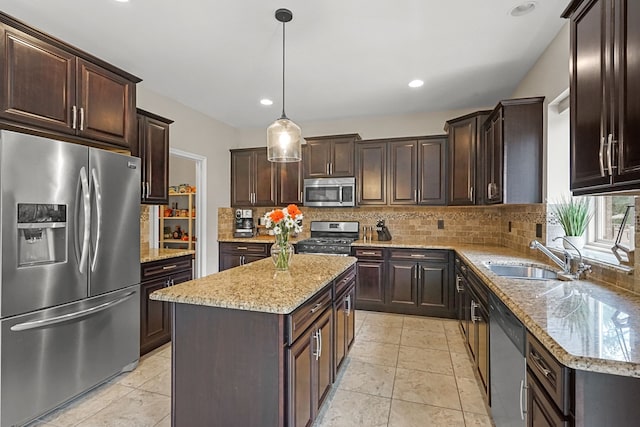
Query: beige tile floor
(403, 371)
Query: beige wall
(369, 128)
(197, 133)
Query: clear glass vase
(281, 254)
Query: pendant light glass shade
(284, 138)
(284, 141)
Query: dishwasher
(508, 366)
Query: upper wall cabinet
(604, 87)
(371, 172)
(153, 149)
(513, 152)
(253, 178)
(330, 156)
(50, 86)
(465, 156)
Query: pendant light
(284, 140)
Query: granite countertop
(156, 254)
(257, 287)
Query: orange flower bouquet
(283, 222)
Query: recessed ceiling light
(122, 1)
(523, 9)
(266, 101)
(416, 83)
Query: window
(608, 213)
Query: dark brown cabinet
(152, 147)
(417, 171)
(466, 158)
(540, 410)
(419, 282)
(371, 172)
(253, 178)
(155, 316)
(330, 156)
(513, 152)
(236, 254)
(310, 362)
(343, 317)
(289, 183)
(371, 278)
(604, 78)
(48, 85)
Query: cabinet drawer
(165, 266)
(369, 253)
(306, 314)
(419, 255)
(244, 248)
(551, 374)
(344, 281)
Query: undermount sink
(522, 271)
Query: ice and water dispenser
(42, 234)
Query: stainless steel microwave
(330, 192)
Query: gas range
(330, 238)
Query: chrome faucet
(564, 265)
(581, 268)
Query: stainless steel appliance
(330, 238)
(69, 274)
(244, 223)
(330, 192)
(508, 370)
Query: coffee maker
(244, 223)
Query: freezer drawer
(52, 355)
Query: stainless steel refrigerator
(70, 271)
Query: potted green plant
(573, 214)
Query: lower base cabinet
(236, 254)
(345, 323)
(155, 316)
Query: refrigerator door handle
(96, 185)
(37, 324)
(86, 202)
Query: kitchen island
(253, 347)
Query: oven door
(329, 192)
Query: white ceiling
(345, 59)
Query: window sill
(598, 258)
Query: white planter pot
(578, 242)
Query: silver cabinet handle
(418, 198)
(170, 267)
(367, 253)
(148, 188)
(609, 153)
(316, 307)
(301, 196)
(415, 195)
(330, 168)
(96, 186)
(74, 118)
(474, 305)
(348, 303)
(143, 195)
(471, 194)
(316, 337)
(241, 248)
(489, 195)
(167, 283)
(173, 282)
(601, 156)
(319, 343)
(81, 118)
(539, 364)
(459, 286)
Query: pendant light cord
(284, 116)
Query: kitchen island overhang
(232, 337)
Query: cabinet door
(370, 284)
(541, 412)
(402, 284)
(589, 110)
(317, 159)
(155, 325)
(627, 128)
(494, 159)
(38, 81)
(242, 166)
(290, 183)
(300, 356)
(228, 261)
(340, 324)
(154, 151)
(371, 173)
(342, 163)
(265, 179)
(434, 289)
(107, 105)
(402, 172)
(351, 318)
(462, 162)
(431, 171)
(324, 378)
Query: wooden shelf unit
(186, 223)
